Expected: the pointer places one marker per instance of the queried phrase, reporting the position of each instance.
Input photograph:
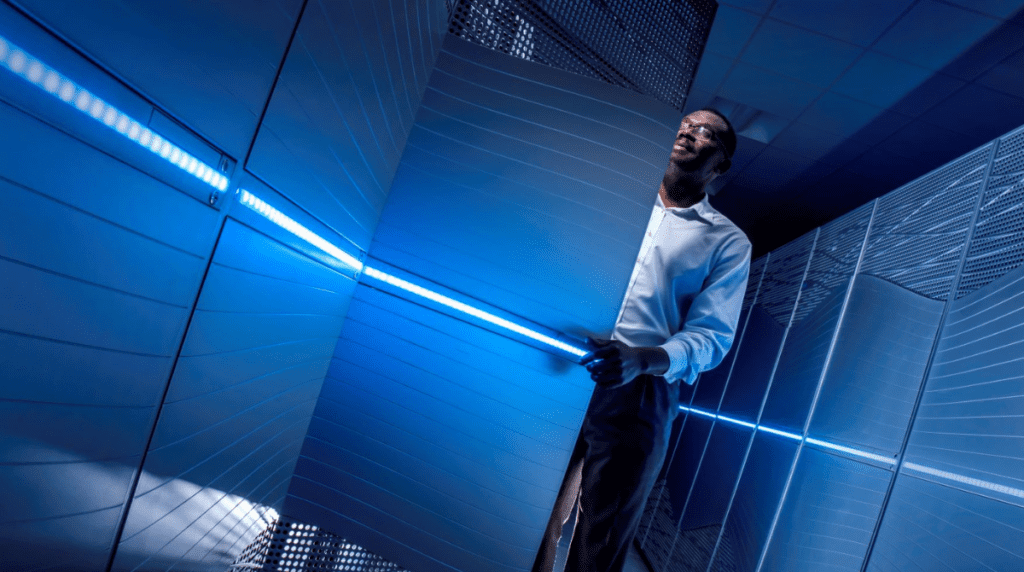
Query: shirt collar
(702, 208)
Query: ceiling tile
(759, 6)
(881, 127)
(923, 97)
(979, 113)
(862, 21)
(843, 191)
(891, 169)
(746, 150)
(998, 8)
(791, 51)
(840, 114)
(1007, 76)
(697, 99)
(711, 71)
(730, 31)
(817, 144)
(929, 145)
(992, 49)
(763, 89)
(932, 34)
(880, 80)
(772, 170)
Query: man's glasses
(706, 133)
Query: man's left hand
(612, 363)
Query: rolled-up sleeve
(710, 323)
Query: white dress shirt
(687, 288)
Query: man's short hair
(728, 137)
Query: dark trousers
(617, 458)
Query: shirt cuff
(678, 362)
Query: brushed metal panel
(929, 526)
(969, 420)
(757, 496)
(828, 515)
(877, 366)
(210, 64)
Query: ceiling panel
(771, 170)
(997, 8)
(978, 112)
(862, 21)
(768, 90)
(931, 91)
(797, 53)
(840, 114)
(730, 31)
(712, 70)
(813, 142)
(758, 6)
(1007, 75)
(989, 51)
(932, 34)
(880, 80)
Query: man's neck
(680, 200)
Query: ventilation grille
(998, 243)
(783, 277)
(649, 47)
(920, 228)
(756, 269)
(835, 257)
(290, 546)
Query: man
(678, 318)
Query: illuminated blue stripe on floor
(56, 84)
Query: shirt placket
(657, 217)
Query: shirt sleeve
(710, 323)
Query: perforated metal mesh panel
(835, 257)
(998, 243)
(754, 281)
(290, 546)
(783, 278)
(920, 228)
(649, 47)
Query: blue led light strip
(793, 436)
(280, 219)
(56, 84)
(475, 312)
(277, 217)
(964, 479)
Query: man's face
(696, 155)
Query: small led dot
(67, 91)
(52, 82)
(18, 61)
(110, 116)
(35, 72)
(83, 100)
(97, 109)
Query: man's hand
(612, 363)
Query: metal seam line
(56, 84)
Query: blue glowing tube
(56, 84)
(471, 311)
(280, 219)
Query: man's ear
(723, 166)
